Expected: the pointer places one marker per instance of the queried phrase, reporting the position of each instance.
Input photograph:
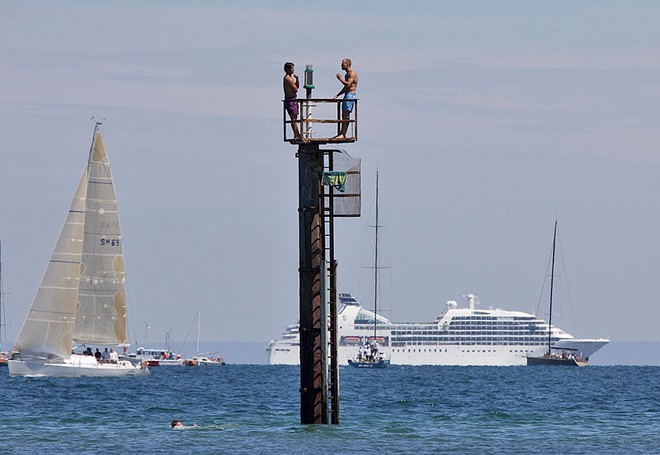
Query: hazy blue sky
(486, 119)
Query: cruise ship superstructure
(459, 336)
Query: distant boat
(198, 361)
(82, 296)
(202, 359)
(567, 357)
(370, 355)
(156, 357)
(3, 354)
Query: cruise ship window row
(459, 338)
(496, 325)
(494, 322)
(489, 333)
(420, 350)
(416, 328)
(469, 343)
(494, 318)
(475, 333)
(463, 350)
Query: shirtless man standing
(291, 85)
(349, 82)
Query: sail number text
(110, 242)
(109, 225)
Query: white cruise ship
(459, 336)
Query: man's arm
(293, 83)
(346, 82)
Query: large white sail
(49, 326)
(101, 312)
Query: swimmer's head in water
(176, 423)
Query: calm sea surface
(255, 409)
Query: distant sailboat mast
(3, 331)
(376, 264)
(552, 283)
(372, 357)
(199, 318)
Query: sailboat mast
(97, 126)
(2, 301)
(552, 284)
(376, 265)
(199, 318)
(3, 314)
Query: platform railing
(320, 120)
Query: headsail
(101, 312)
(49, 325)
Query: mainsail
(82, 296)
(49, 325)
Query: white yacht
(155, 357)
(458, 336)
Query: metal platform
(319, 121)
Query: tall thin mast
(552, 283)
(199, 318)
(376, 264)
(3, 313)
(2, 300)
(97, 127)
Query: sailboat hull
(203, 361)
(75, 366)
(383, 363)
(557, 361)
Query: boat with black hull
(553, 356)
(565, 358)
(370, 355)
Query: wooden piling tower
(319, 367)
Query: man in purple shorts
(291, 85)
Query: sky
(487, 121)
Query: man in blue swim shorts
(348, 105)
(349, 82)
(291, 84)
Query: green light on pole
(309, 77)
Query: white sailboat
(81, 298)
(200, 359)
(3, 319)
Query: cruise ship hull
(474, 355)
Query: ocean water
(402, 409)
